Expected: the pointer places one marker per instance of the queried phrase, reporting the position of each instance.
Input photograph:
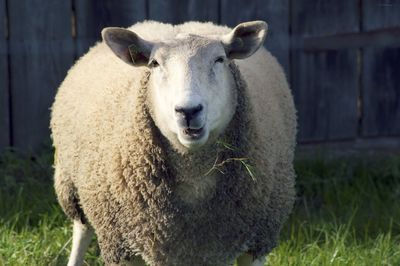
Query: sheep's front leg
(82, 234)
(247, 260)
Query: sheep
(174, 144)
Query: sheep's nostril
(189, 112)
(186, 114)
(198, 109)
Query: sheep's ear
(245, 39)
(128, 46)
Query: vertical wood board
(41, 51)
(326, 95)
(91, 16)
(381, 73)
(275, 13)
(325, 84)
(380, 14)
(4, 85)
(176, 11)
(381, 92)
(324, 17)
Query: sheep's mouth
(193, 138)
(193, 133)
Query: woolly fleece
(115, 170)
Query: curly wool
(132, 186)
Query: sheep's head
(191, 88)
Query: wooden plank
(41, 51)
(176, 11)
(325, 90)
(325, 84)
(381, 92)
(324, 17)
(275, 13)
(381, 79)
(4, 89)
(386, 37)
(380, 14)
(91, 16)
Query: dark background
(341, 57)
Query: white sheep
(180, 153)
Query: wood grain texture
(381, 92)
(4, 85)
(381, 76)
(177, 11)
(275, 13)
(380, 14)
(41, 51)
(325, 92)
(46, 36)
(325, 84)
(386, 37)
(91, 16)
(324, 17)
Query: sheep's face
(191, 89)
(192, 92)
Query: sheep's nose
(188, 113)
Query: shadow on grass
(26, 189)
(363, 192)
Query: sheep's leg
(247, 260)
(82, 235)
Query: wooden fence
(342, 57)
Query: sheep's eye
(219, 60)
(153, 63)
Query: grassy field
(347, 213)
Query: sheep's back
(86, 103)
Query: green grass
(33, 228)
(347, 213)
